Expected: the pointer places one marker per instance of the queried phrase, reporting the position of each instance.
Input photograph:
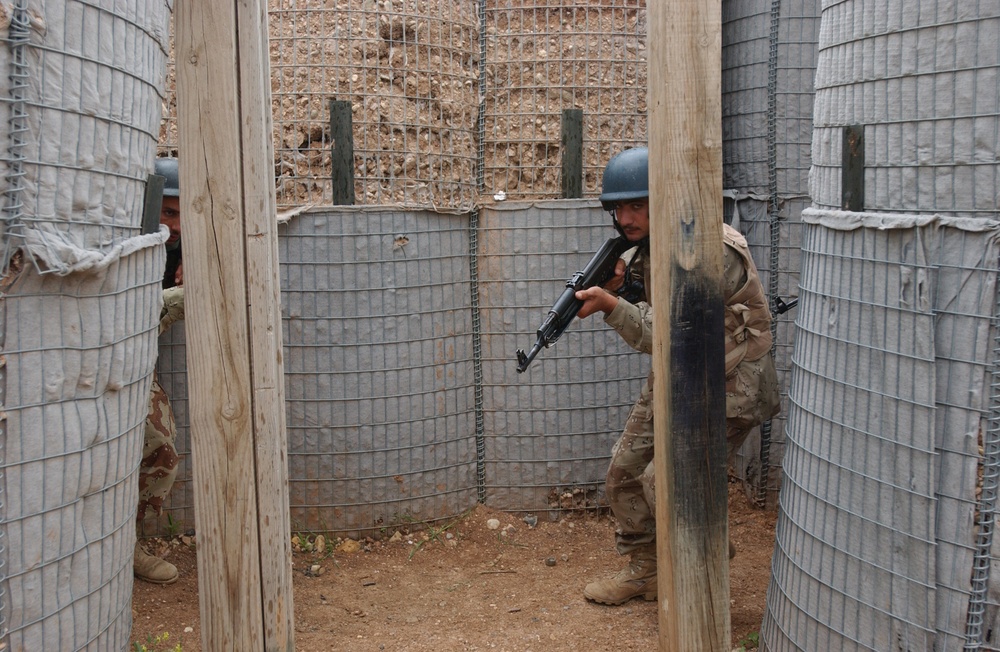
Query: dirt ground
(464, 586)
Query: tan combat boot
(151, 568)
(636, 579)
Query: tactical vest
(748, 319)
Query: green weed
(434, 533)
(156, 644)
(749, 642)
(173, 526)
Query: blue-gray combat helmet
(626, 176)
(167, 168)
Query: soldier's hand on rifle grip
(595, 299)
(618, 280)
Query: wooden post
(233, 318)
(685, 145)
(852, 169)
(572, 153)
(342, 152)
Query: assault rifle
(598, 271)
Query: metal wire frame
(17, 125)
(774, 222)
(451, 101)
(477, 357)
(990, 473)
(17, 41)
(544, 56)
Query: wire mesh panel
(82, 105)
(449, 95)
(841, 424)
(928, 98)
(549, 431)
(794, 35)
(82, 91)
(775, 241)
(907, 132)
(854, 564)
(768, 61)
(967, 582)
(378, 372)
(378, 368)
(79, 354)
(544, 56)
(408, 70)
(382, 415)
(407, 75)
(746, 56)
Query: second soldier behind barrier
(158, 467)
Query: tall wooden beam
(852, 169)
(572, 153)
(685, 145)
(342, 152)
(233, 321)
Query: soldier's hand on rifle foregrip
(595, 299)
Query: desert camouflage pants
(630, 483)
(158, 467)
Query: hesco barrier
(403, 400)
(886, 527)
(82, 91)
(441, 106)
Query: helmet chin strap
(618, 227)
(642, 244)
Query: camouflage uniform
(158, 467)
(752, 395)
